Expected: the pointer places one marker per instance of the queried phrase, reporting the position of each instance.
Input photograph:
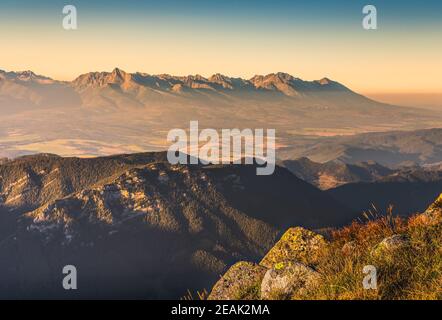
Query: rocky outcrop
(303, 265)
(285, 271)
(390, 244)
(286, 279)
(297, 244)
(241, 281)
(433, 215)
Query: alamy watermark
(70, 280)
(370, 19)
(70, 21)
(208, 146)
(370, 281)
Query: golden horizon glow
(388, 60)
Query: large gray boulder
(297, 244)
(287, 279)
(241, 282)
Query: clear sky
(308, 39)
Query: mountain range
(391, 149)
(103, 113)
(369, 186)
(281, 83)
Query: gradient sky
(308, 39)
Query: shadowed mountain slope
(391, 149)
(409, 191)
(334, 173)
(136, 226)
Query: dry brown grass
(412, 272)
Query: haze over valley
(104, 113)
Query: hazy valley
(102, 113)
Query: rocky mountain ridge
(279, 82)
(136, 226)
(335, 173)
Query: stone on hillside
(241, 282)
(297, 244)
(349, 248)
(433, 215)
(288, 278)
(391, 244)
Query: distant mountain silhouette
(391, 149)
(279, 82)
(408, 190)
(335, 173)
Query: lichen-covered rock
(391, 244)
(286, 279)
(241, 282)
(433, 215)
(297, 244)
